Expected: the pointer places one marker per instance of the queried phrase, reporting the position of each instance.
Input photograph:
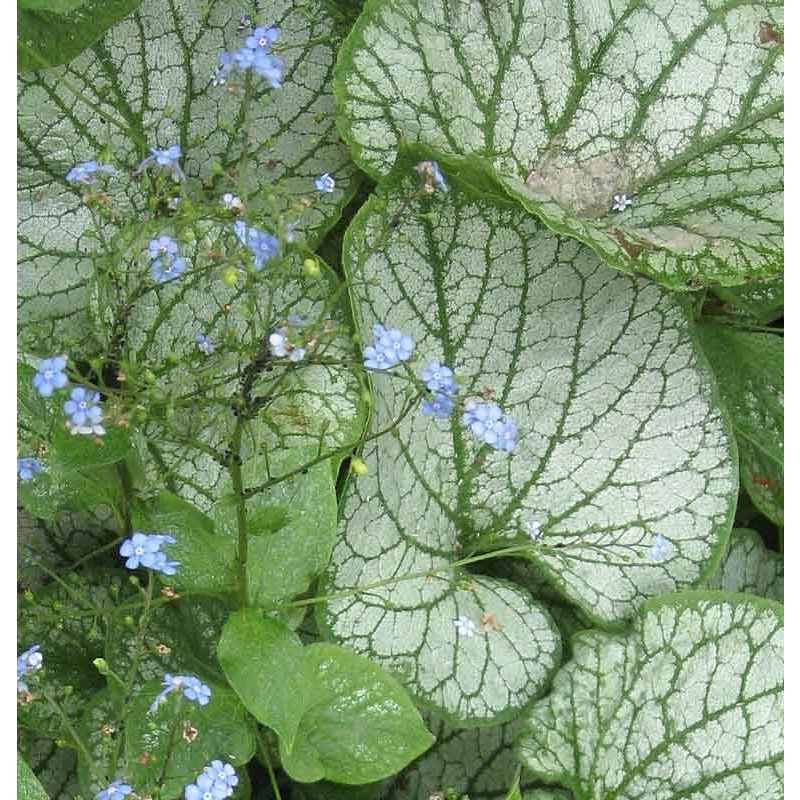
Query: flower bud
(230, 275)
(101, 665)
(358, 466)
(311, 268)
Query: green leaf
(689, 703)
(70, 451)
(620, 438)
(291, 526)
(478, 763)
(54, 766)
(206, 557)
(289, 134)
(760, 302)
(359, 724)
(264, 663)
(748, 567)
(749, 369)
(338, 716)
(223, 730)
(28, 786)
(680, 109)
(52, 32)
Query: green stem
(241, 510)
(170, 749)
(73, 733)
(262, 746)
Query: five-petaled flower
(281, 347)
(84, 411)
(193, 689)
(488, 422)
(51, 375)
(27, 663)
(87, 172)
(325, 183)
(147, 550)
(621, 202)
(660, 548)
(168, 158)
(114, 791)
(204, 343)
(222, 777)
(163, 246)
(431, 176)
(391, 346)
(440, 406)
(28, 467)
(465, 626)
(253, 55)
(440, 378)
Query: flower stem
(262, 746)
(81, 745)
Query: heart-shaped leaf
(688, 704)
(749, 369)
(619, 440)
(257, 136)
(748, 567)
(678, 108)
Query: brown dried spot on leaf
(629, 246)
(768, 33)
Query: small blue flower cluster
(165, 264)
(114, 791)
(255, 55)
(193, 689)
(391, 346)
(216, 782)
(28, 467)
(488, 422)
(168, 158)
(83, 407)
(87, 172)
(261, 244)
(27, 663)
(441, 380)
(147, 550)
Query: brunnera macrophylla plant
(452, 517)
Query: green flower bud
(101, 665)
(230, 275)
(311, 268)
(358, 466)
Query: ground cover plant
(400, 399)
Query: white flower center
(82, 404)
(48, 373)
(263, 41)
(139, 551)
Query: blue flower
(206, 788)
(432, 178)
(261, 244)
(661, 548)
(51, 375)
(84, 412)
(192, 688)
(441, 406)
(263, 37)
(231, 201)
(167, 158)
(204, 344)
(28, 467)
(87, 172)
(488, 423)
(27, 663)
(114, 791)
(270, 68)
(223, 775)
(391, 346)
(167, 269)
(147, 550)
(440, 378)
(325, 183)
(281, 347)
(163, 246)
